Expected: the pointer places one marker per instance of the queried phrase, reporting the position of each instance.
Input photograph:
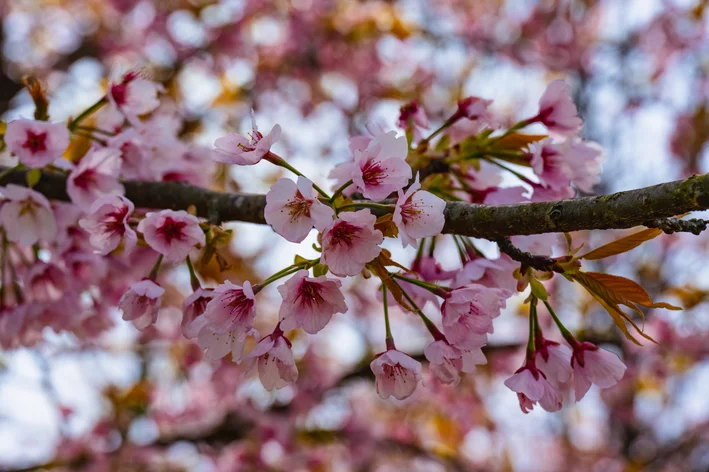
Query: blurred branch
(542, 263)
(615, 211)
(675, 225)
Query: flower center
(36, 142)
(344, 234)
(373, 173)
(309, 294)
(298, 207)
(171, 229)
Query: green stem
(194, 281)
(435, 332)
(514, 172)
(86, 113)
(280, 162)
(516, 127)
(377, 206)
(9, 171)
(445, 125)
(389, 338)
(532, 323)
(432, 247)
(292, 269)
(433, 288)
(4, 269)
(156, 268)
(339, 191)
(90, 129)
(90, 137)
(562, 329)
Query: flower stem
(532, 324)
(435, 332)
(389, 338)
(513, 172)
(90, 129)
(424, 142)
(433, 288)
(339, 191)
(194, 281)
(86, 113)
(156, 268)
(9, 171)
(562, 329)
(291, 269)
(377, 206)
(280, 162)
(4, 270)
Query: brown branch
(615, 211)
(542, 263)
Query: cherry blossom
(310, 302)
(232, 307)
(46, 281)
(107, 223)
(379, 169)
(96, 175)
(557, 111)
(474, 108)
(447, 361)
(468, 313)
(293, 209)
(134, 96)
(217, 345)
(350, 242)
(236, 149)
(273, 355)
(412, 116)
(36, 143)
(141, 303)
(193, 307)
(172, 233)
(531, 387)
(26, 216)
(554, 360)
(396, 374)
(418, 214)
(595, 366)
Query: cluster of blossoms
(377, 194)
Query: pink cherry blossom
(26, 216)
(193, 307)
(310, 302)
(350, 242)
(36, 143)
(134, 96)
(217, 345)
(596, 366)
(474, 108)
(493, 273)
(293, 209)
(45, 282)
(380, 169)
(412, 116)
(107, 223)
(531, 387)
(273, 355)
(430, 270)
(447, 362)
(554, 360)
(557, 111)
(96, 175)
(418, 214)
(549, 163)
(141, 303)
(231, 308)
(468, 313)
(236, 149)
(172, 233)
(584, 160)
(396, 374)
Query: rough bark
(617, 210)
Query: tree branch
(615, 211)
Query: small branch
(675, 225)
(543, 263)
(616, 211)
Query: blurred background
(321, 69)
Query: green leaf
(299, 259)
(32, 177)
(320, 269)
(538, 289)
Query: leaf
(378, 268)
(622, 245)
(628, 291)
(387, 226)
(32, 177)
(610, 299)
(299, 259)
(517, 141)
(320, 269)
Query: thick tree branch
(615, 211)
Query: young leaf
(378, 268)
(622, 245)
(517, 141)
(32, 177)
(628, 291)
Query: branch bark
(614, 211)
